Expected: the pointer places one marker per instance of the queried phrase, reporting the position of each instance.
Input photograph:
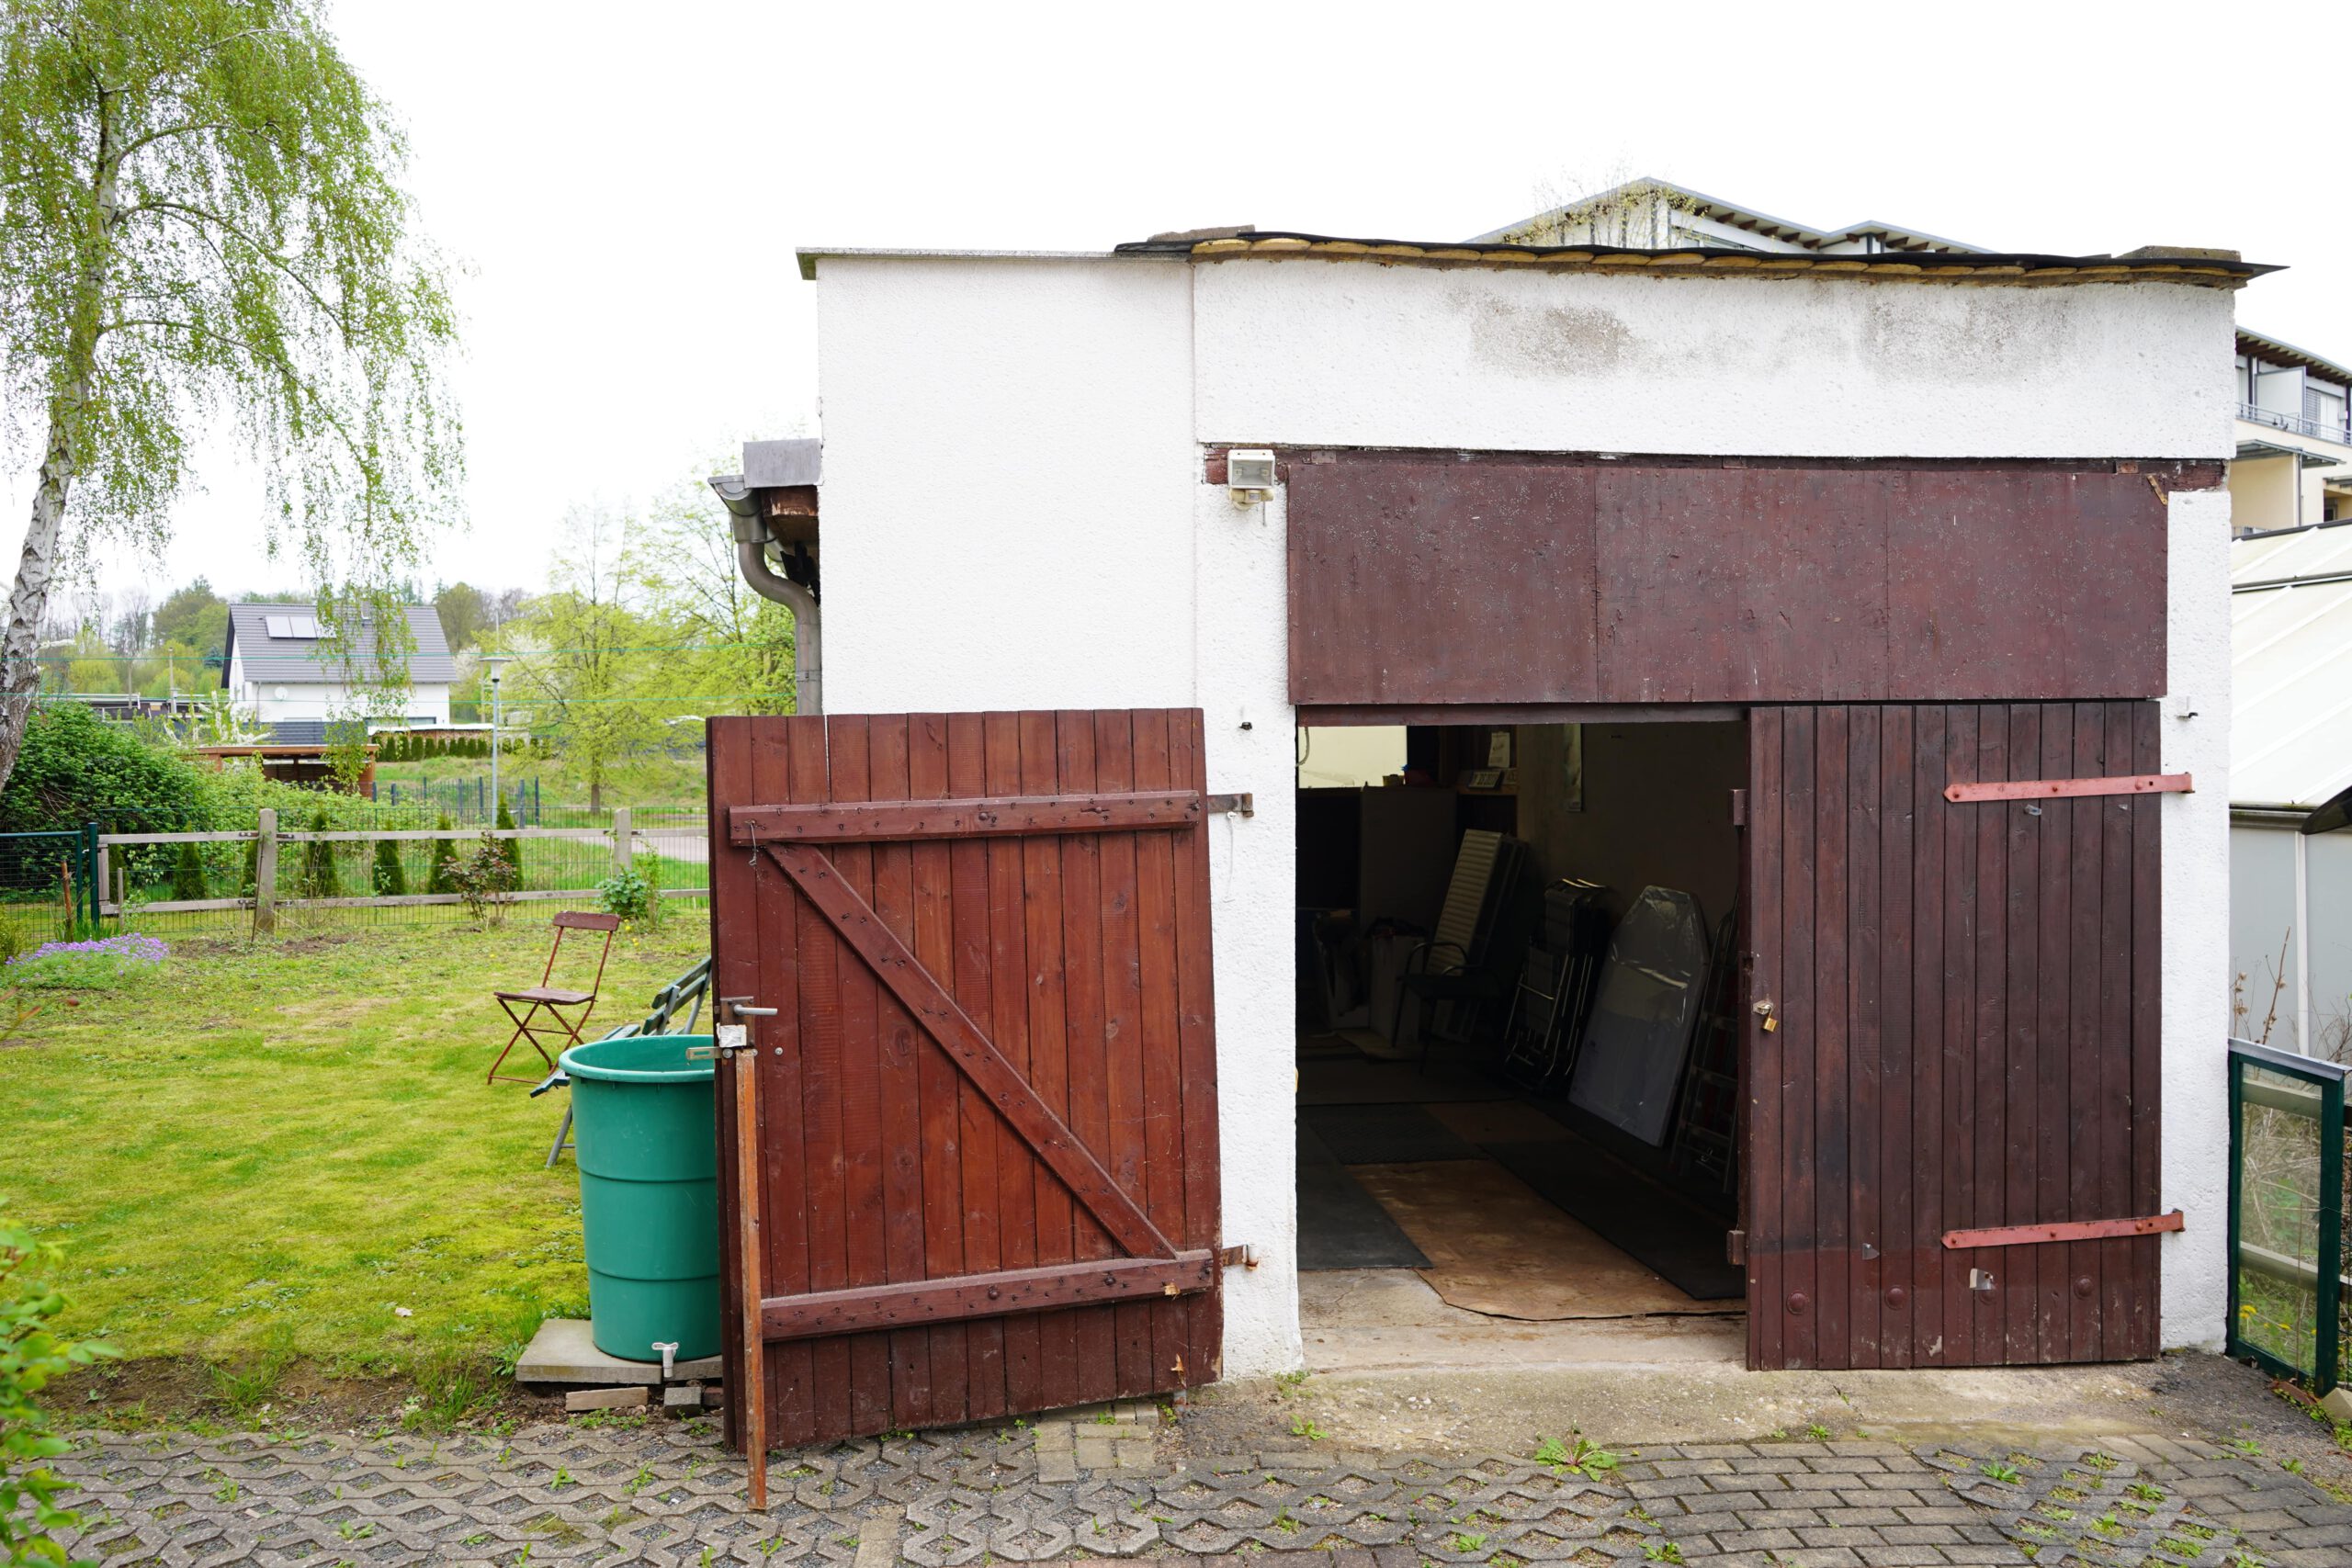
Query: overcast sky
(626, 184)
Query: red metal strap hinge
(2065, 1230)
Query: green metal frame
(81, 845)
(2328, 1079)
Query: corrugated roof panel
(2290, 668)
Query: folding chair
(545, 1005)
(1472, 959)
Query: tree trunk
(61, 458)
(28, 602)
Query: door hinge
(1237, 1258)
(1740, 809)
(1736, 1248)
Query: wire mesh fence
(379, 864)
(49, 881)
(2288, 1299)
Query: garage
(1797, 683)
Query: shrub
(187, 873)
(445, 855)
(76, 767)
(319, 879)
(391, 878)
(31, 1355)
(628, 895)
(482, 880)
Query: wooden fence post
(624, 840)
(265, 872)
(106, 883)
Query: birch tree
(201, 235)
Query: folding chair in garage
(548, 1009)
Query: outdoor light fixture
(1249, 475)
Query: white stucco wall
(1014, 518)
(1348, 354)
(2196, 1140)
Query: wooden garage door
(987, 1149)
(1967, 1002)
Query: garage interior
(1517, 1031)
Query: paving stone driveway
(1114, 1485)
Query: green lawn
(286, 1149)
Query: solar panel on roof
(298, 626)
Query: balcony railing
(2278, 420)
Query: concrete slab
(562, 1352)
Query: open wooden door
(1964, 1050)
(987, 1097)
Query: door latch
(726, 1041)
(1763, 1010)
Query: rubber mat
(1679, 1240)
(1385, 1135)
(1340, 1225)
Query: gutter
(752, 539)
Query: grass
(260, 1154)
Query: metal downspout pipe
(751, 560)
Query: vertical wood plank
(847, 758)
(942, 1085)
(1801, 1046)
(1935, 974)
(1041, 916)
(2147, 1025)
(1763, 1060)
(904, 1232)
(1162, 1082)
(979, 1126)
(823, 1191)
(1089, 1087)
(1866, 1088)
(2053, 993)
(2086, 1145)
(1901, 952)
(1832, 1090)
(1196, 1045)
(784, 1226)
(1993, 919)
(734, 911)
(1017, 1171)
(2020, 1282)
(1114, 763)
(2113, 1086)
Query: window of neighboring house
(2245, 380)
(2323, 406)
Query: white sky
(626, 184)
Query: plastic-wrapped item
(1631, 1063)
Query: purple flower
(130, 948)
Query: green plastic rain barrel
(644, 1123)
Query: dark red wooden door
(1966, 1001)
(987, 1100)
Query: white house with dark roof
(281, 666)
